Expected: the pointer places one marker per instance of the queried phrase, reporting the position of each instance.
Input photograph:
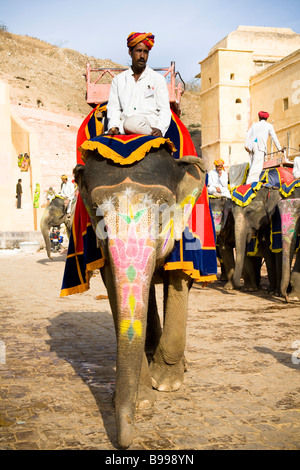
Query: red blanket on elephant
(195, 253)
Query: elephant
(224, 227)
(289, 210)
(251, 219)
(137, 212)
(54, 215)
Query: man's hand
(113, 131)
(218, 189)
(156, 132)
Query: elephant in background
(224, 226)
(221, 208)
(289, 209)
(136, 240)
(55, 215)
(255, 219)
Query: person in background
(37, 193)
(296, 168)
(218, 180)
(67, 191)
(50, 195)
(256, 145)
(139, 100)
(19, 192)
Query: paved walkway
(57, 376)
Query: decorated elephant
(138, 212)
(254, 212)
(221, 208)
(251, 220)
(55, 214)
(289, 209)
(224, 227)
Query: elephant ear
(188, 190)
(77, 171)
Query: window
(238, 100)
(285, 104)
(232, 76)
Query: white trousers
(137, 125)
(257, 158)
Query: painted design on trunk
(131, 259)
(133, 224)
(288, 222)
(217, 216)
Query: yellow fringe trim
(297, 185)
(137, 155)
(253, 195)
(188, 268)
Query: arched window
(238, 100)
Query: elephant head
(137, 212)
(221, 207)
(256, 215)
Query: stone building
(251, 69)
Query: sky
(185, 30)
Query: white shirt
(215, 181)
(259, 132)
(148, 97)
(67, 190)
(296, 169)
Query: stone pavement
(57, 375)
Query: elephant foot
(250, 288)
(146, 398)
(293, 297)
(229, 286)
(167, 377)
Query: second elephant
(55, 215)
(253, 219)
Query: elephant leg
(168, 364)
(250, 273)
(227, 256)
(295, 279)
(271, 268)
(45, 226)
(278, 261)
(154, 330)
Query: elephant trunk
(132, 264)
(288, 213)
(129, 363)
(44, 226)
(240, 246)
(288, 248)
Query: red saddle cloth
(286, 175)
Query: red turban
(263, 114)
(146, 38)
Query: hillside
(51, 77)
